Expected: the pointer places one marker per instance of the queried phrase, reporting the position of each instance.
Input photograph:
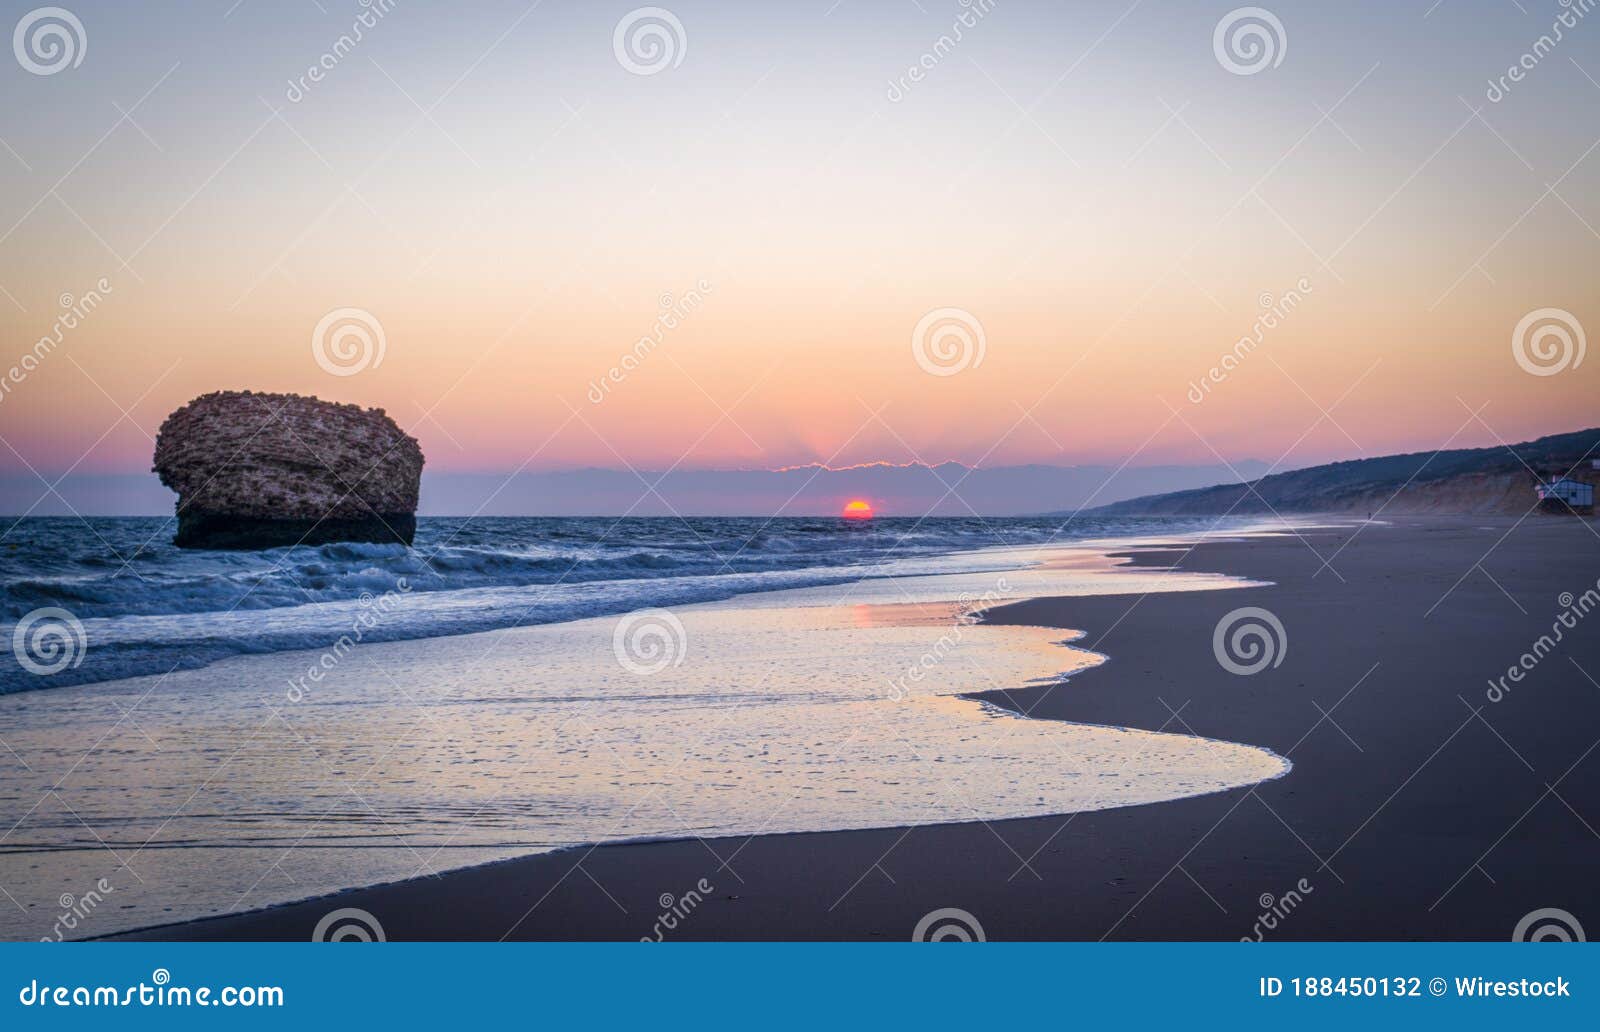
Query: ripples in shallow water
(250, 782)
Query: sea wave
(146, 607)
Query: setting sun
(857, 510)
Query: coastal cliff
(258, 470)
(1498, 479)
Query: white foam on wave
(147, 606)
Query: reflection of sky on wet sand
(791, 711)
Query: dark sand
(1416, 810)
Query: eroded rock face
(255, 470)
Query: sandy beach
(1423, 803)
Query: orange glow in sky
(857, 510)
(531, 302)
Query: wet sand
(1417, 807)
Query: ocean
(138, 605)
(214, 732)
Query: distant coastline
(1500, 480)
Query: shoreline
(1404, 802)
(386, 593)
(463, 759)
(991, 705)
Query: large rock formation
(257, 470)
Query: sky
(1036, 249)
